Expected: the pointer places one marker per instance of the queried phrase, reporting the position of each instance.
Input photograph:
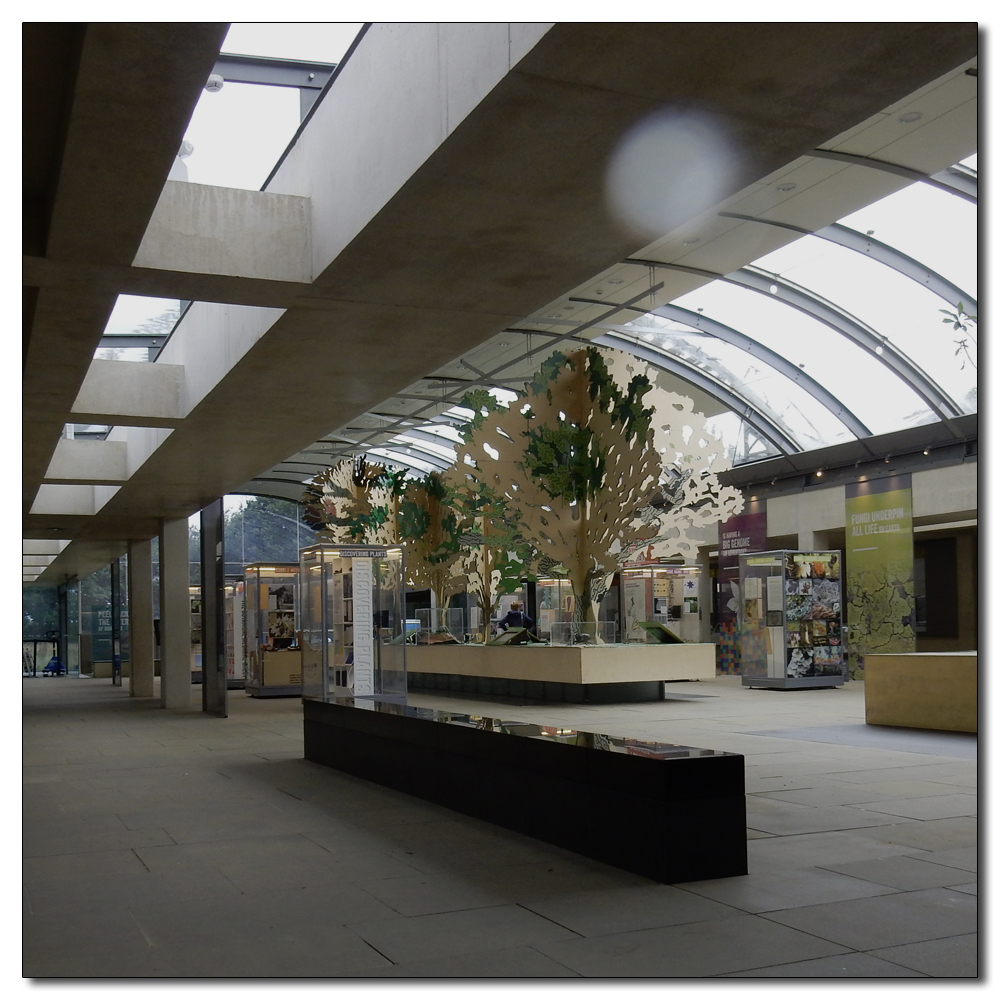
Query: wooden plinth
(923, 690)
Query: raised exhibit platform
(586, 673)
(923, 690)
(669, 813)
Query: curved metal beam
(945, 179)
(851, 239)
(779, 362)
(758, 420)
(837, 319)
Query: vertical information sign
(879, 585)
(364, 625)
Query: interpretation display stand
(353, 622)
(790, 619)
(274, 659)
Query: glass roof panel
(793, 408)
(930, 225)
(239, 132)
(878, 397)
(743, 444)
(895, 306)
(316, 41)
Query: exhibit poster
(742, 533)
(738, 535)
(879, 586)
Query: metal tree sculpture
(498, 557)
(574, 456)
(581, 454)
(690, 497)
(355, 501)
(432, 530)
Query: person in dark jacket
(515, 617)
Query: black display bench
(669, 813)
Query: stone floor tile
(888, 920)
(812, 850)
(785, 818)
(928, 835)
(778, 890)
(58, 867)
(409, 939)
(905, 871)
(928, 806)
(706, 948)
(853, 965)
(949, 957)
(523, 963)
(419, 894)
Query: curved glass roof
(835, 336)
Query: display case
(790, 619)
(353, 622)
(194, 606)
(273, 656)
(661, 593)
(235, 634)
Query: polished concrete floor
(174, 844)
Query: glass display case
(790, 619)
(235, 639)
(660, 593)
(353, 622)
(555, 604)
(273, 656)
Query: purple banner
(740, 534)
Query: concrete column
(175, 615)
(140, 619)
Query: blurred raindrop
(667, 168)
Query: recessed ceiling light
(692, 241)
(910, 117)
(787, 186)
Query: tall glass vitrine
(273, 657)
(790, 619)
(353, 621)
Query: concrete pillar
(175, 615)
(140, 619)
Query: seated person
(515, 617)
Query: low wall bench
(923, 690)
(670, 813)
(587, 674)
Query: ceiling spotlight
(819, 472)
(787, 186)
(910, 117)
(887, 459)
(927, 451)
(773, 481)
(504, 343)
(753, 498)
(214, 83)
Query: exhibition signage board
(738, 535)
(879, 557)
